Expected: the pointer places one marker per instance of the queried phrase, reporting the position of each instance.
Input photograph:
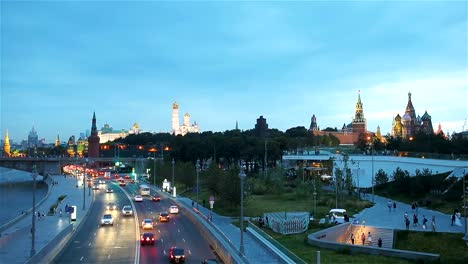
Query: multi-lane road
(120, 243)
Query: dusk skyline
(224, 62)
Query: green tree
(381, 177)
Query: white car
(173, 209)
(107, 219)
(111, 206)
(147, 224)
(337, 216)
(138, 198)
(127, 210)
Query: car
(127, 176)
(107, 219)
(122, 183)
(176, 255)
(155, 198)
(174, 209)
(163, 217)
(337, 216)
(138, 198)
(95, 187)
(102, 182)
(132, 181)
(109, 190)
(147, 239)
(147, 224)
(127, 210)
(111, 206)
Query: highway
(117, 244)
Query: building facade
(186, 127)
(409, 124)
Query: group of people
(391, 205)
(369, 239)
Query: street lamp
(173, 162)
(198, 187)
(84, 186)
(372, 154)
(242, 177)
(357, 176)
(315, 200)
(33, 228)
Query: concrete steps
(357, 230)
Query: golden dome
(136, 125)
(175, 105)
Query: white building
(107, 133)
(185, 128)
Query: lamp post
(33, 228)
(84, 188)
(173, 162)
(315, 200)
(154, 168)
(357, 177)
(372, 155)
(242, 177)
(198, 186)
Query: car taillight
(152, 238)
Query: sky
(229, 61)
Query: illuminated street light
(242, 177)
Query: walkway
(16, 241)
(379, 216)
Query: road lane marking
(82, 257)
(190, 252)
(178, 230)
(89, 244)
(94, 233)
(108, 256)
(183, 240)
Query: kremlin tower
(6, 146)
(57, 141)
(93, 140)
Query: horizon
(229, 61)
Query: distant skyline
(229, 61)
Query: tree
(381, 177)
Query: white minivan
(337, 216)
(173, 209)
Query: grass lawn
(450, 246)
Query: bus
(144, 189)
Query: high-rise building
(6, 145)
(33, 140)
(93, 140)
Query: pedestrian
(203, 203)
(424, 225)
(415, 220)
(60, 211)
(379, 242)
(433, 224)
(394, 206)
(266, 218)
(369, 238)
(363, 238)
(413, 207)
(453, 218)
(193, 203)
(352, 238)
(363, 223)
(389, 205)
(406, 215)
(407, 223)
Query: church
(409, 124)
(186, 127)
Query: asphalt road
(117, 244)
(107, 244)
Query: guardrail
(273, 245)
(48, 253)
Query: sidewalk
(379, 216)
(16, 241)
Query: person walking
(379, 242)
(389, 205)
(352, 238)
(407, 223)
(394, 206)
(424, 223)
(415, 220)
(453, 218)
(363, 238)
(369, 238)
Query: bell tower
(359, 122)
(93, 140)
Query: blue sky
(227, 61)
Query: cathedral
(186, 127)
(409, 124)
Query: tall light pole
(242, 177)
(464, 199)
(154, 168)
(372, 156)
(173, 162)
(359, 190)
(315, 199)
(198, 183)
(84, 188)
(33, 228)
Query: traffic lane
(179, 231)
(96, 244)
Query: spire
(6, 145)
(57, 141)
(93, 126)
(359, 115)
(237, 125)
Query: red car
(127, 177)
(156, 198)
(147, 239)
(176, 255)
